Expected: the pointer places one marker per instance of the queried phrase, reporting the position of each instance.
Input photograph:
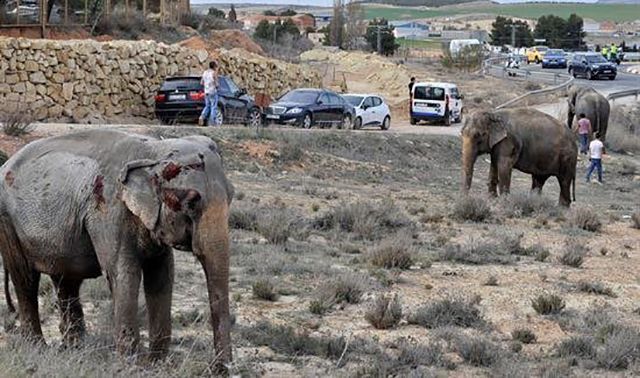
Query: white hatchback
(371, 110)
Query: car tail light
(196, 96)
(160, 97)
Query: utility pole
(513, 34)
(275, 33)
(379, 41)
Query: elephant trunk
(469, 154)
(211, 246)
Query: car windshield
(595, 59)
(184, 84)
(428, 93)
(555, 52)
(300, 97)
(233, 88)
(542, 48)
(353, 100)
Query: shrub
(274, 225)
(369, 220)
(476, 252)
(264, 289)
(541, 253)
(546, 304)
(491, 281)
(573, 254)
(585, 218)
(577, 346)
(527, 204)
(393, 252)
(635, 217)
(16, 123)
(523, 335)
(474, 209)
(285, 340)
(346, 288)
(478, 351)
(291, 152)
(595, 288)
(385, 312)
(447, 312)
(431, 354)
(620, 349)
(243, 219)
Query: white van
(456, 45)
(436, 102)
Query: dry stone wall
(82, 79)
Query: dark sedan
(310, 107)
(181, 99)
(554, 58)
(592, 66)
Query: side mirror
(242, 91)
(365, 107)
(461, 97)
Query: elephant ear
(497, 130)
(138, 193)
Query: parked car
(536, 54)
(592, 66)
(554, 58)
(371, 110)
(308, 107)
(436, 101)
(181, 99)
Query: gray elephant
(94, 202)
(587, 101)
(525, 139)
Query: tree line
(558, 33)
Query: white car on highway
(371, 110)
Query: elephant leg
(72, 324)
(565, 191)
(493, 178)
(504, 176)
(538, 182)
(26, 286)
(126, 285)
(158, 284)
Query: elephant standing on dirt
(94, 202)
(525, 139)
(587, 101)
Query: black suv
(308, 107)
(592, 66)
(181, 99)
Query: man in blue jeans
(596, 149)
(210, 82)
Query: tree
(276, 31)
(388, 44)
(217, 13)
(355, 27)
(263, 30)
(269, 13)
(288, 13)
(233, 17)
(560, 33)
(501, 30)
(336, 26)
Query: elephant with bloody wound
(587, 101)
(525, 139)
(94, 202)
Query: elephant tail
(7, 292)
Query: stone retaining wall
(86, 78)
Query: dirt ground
(311, 213)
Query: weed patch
(385, 312)
(448, 312)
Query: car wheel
(537, 60)
(255, 118)
(357, 124)
(589, 75)
(219, 116)
(307, 122)
(386, 123)
(346, 122)
(612, 77)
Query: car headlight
(595, 66)
(294, 111)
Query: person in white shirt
(596, 149)
(210, 82)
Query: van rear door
(428, 101)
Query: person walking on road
(596, 150)
(584, 130)
(210, 82)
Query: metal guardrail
(630, 92)
(631, 57)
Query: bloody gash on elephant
(525, 139)
(78, 205)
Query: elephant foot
(127, 343)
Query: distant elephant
(93, 202)
(594, 105)
(525, 139)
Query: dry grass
(635, 218)
(473, 209)
(345, 288)
(477, 252)
(573, 254)
(596, 288)
(547, 304)
(393, 252)
(264, 289)
(585, 218)
(448, 312)
(478, 351)
(17, 123)
(523, 335)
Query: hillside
(423, 3)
